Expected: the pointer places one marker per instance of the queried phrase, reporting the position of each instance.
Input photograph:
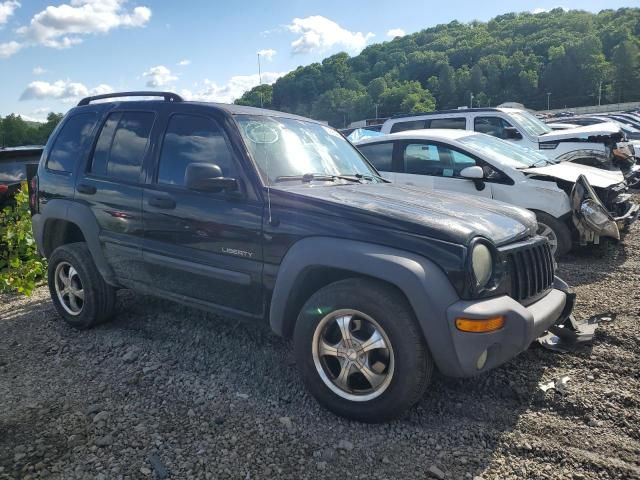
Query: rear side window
(493, 126)
(193, 139)
(70, 142)
(410, 125)
(459, 123)
(122, 144)
(380, 154)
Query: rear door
(436, 166)
(111, 185)
(202, 246)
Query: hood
(570, 172)
(452, 217)
(599, 130)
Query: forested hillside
(517, 57)
(15, 131)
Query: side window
(193, 139)
(411, 125)
(122, 144)
(458, 123)
(460, 162)
(424, 159)
(380, 154)
(71, 141)
(493, 126)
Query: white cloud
(396, 32)
(39, 71)
(268, 53)
(184, 63)
(232, 90)
(64, 25)
(7, 9)
(538, 10)
(9, 48)
(159, 76)
(318, 33)
(61, 90)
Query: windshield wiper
(309, 177)
(371, 176)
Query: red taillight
(33, 194)
(3, 188)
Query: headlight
(482, 264)
(599, 219)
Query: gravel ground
(164, 391)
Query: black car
(14, 165)
(268, 216)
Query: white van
(595, 145)
(573, 203)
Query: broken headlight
(589, 212)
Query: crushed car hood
(608, 129)
(570, 172)
(452, 217)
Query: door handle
(162, 202)
(84, 188)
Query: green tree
(626, 77)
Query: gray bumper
(522, 326)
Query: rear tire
(380, 383)
(80, 294)
(556, 232)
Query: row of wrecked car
(576, 180)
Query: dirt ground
(164, 391)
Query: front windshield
(287, 149)
(503, 152)
(532, 125)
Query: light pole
(376, 110)
(471, 99)
(548, 100)
(599, 92)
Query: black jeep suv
(269, 216)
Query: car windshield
(503, 152)
(530, 124)
(286, 149)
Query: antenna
(260, 81)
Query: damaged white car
(574, 203)
(603, 146)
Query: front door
(436, 166)
(201, 246)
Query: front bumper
(522, 326)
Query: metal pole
(376, 111)
(471, 99)
(599, 92)
(548, 97)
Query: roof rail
(168, 96)
(437, 112)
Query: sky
(54, 52)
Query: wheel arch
(62, 222)
(318, 261)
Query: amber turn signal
(480, 325)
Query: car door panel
(204, 246)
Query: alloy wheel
(69, 288)
(547, 232)
(353, 355)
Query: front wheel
(556, 232)
(360, 352)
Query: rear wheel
(556, 232)
(360, 352)
(79, 293)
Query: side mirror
(207, 177)
(512, 133)
(472, 173)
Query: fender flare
(81, 216)
(424, 284)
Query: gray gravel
(168, 392)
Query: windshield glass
(285, 147)
(503, 152)
(532, 125)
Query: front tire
(360, 351)
(79, 293)
(556, 232)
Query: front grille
(530, 267)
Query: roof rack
(437, 112)
(168, 96)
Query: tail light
(33, 194)
(3, 188)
